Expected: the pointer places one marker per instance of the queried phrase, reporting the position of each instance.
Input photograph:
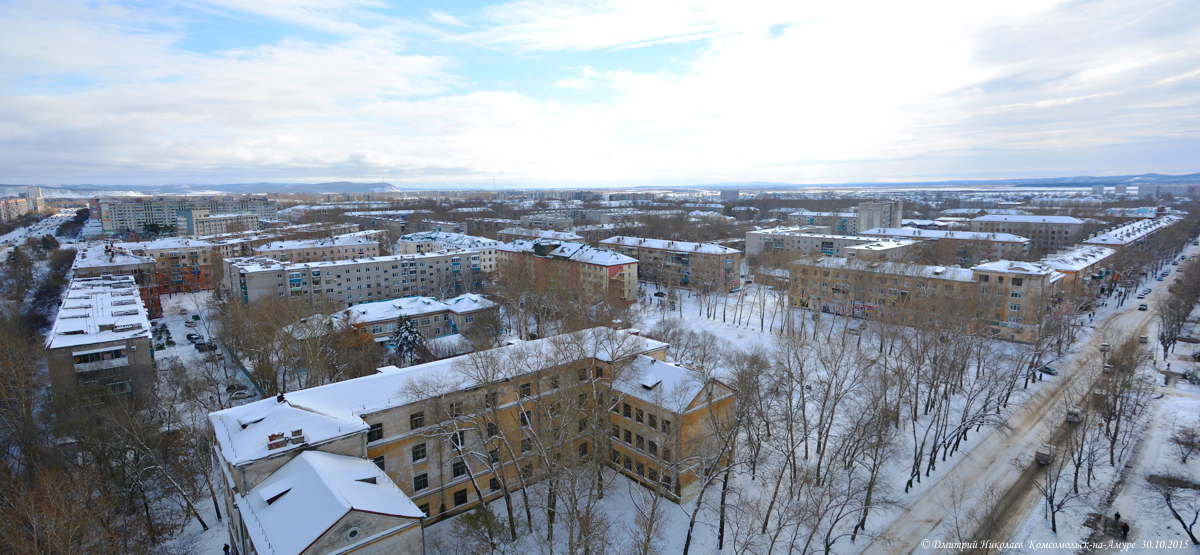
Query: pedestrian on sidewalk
(1117, 517)
(1125, 531)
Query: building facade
(13, 208)
(439, 274)
(1044, 232)
(803, 241)
(133, 214)
(203, 222)
(343, 247)
(695, 264)
(972, 247)
(101, 260)
(99, 347)
(596, 395)
(600, 272)
(181, 265)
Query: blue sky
(595, 93)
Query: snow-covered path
(989, 464)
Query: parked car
(1141, 296)
(189, 324)
(194, 337)
(1143, 339)
(1048, 370)
(1143, 307)
(204, 347)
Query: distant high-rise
(1098, 190)
(1121, 188)
(730, 195)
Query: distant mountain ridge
(88, 190)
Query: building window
(418, 452)
(525, 390)
(666, 427)
(460, 497)
(628, 437)
(417, 420)
(1014, 306)
(628, 463)
(424, 507)
(666, 454)
(639, 416)
(641, 469)
(420, 482)
(653, 449)
(653, 421)
(554, 382)
(526, 418)
(526, 445)
(459, 469)
(376, 432)
(616, 432)
(640, 442)
(1016, 282)
(494, 456)
(491, 429)
(653, 474)
(457, 439)
(494, 484)
(626, 410)
(616, 457)
(583, 449)
(379, 461)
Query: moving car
(1143, 307)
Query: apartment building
(451, 448)
(1044, 232)
(489, 226)
(1176, 190)
(181, 265)
(433, 318)
(804, 241)
(842, 285)
(133, 214)
(971, 246)
(548, 221)
(437, 274)
(13, 208)
(425, 242)
(342, 247)
(593, 234)
(868, 215)
(599, 271)
(695, 264)
(101, 260)
(203, 222)
(99, 347)
(1087, 270)
(243, 243)
(1013, 295)
(510, 234)
(1134, 234)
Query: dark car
(202, 347)
(1143, 307)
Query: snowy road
(989, 465)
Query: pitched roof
(300, 502)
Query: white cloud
(845, 92)
(446, 19)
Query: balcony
(102, 365)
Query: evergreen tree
(407, 340)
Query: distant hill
(1078, 181)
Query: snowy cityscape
(366, 277)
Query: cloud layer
(111, 92)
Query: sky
(594, 93)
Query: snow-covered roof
(468, 302)
(101, 256)
(807, 214)
(579, 252)
(882, 245)
(165, 244)
(251, 264)
(681, 246)
(893, 268)
(386, 311)
(97, 310)
(661, 383)
(1029, 219)
(1132, 232)
(302, 500)
(1013, 267)
(940, 234)
(332, 411)
(1078, 258)
(541, 234)
(459, 240)
(339, 241)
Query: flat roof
(99, 310)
